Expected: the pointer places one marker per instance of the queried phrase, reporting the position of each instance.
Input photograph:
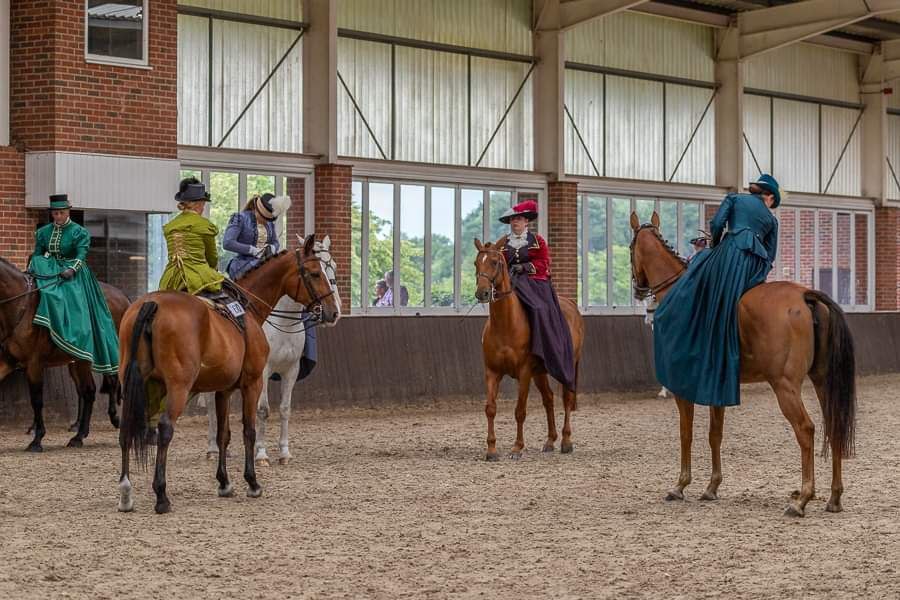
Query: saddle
(230, 303)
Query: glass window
(689, 227)
(668, 220)
(598, 251)
(381, 242)
(443, 235)
(117, 31)
(223, 191)
(861, 256)
(118, 252)
(842, 233)
(644, 208)
(472, 227)
(500, 203)
(356, 194)
(825, 259)
(621, 260)
(412, 246)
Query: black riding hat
(190, 189)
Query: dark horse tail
(838, 365)
(133, 432)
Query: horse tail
(834, 340)
(133, 431)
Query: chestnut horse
(506, 347)
(29, 346)
(175, 341)
(788, 332)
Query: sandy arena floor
(399, 503)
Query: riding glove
(67, 274)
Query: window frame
(141, 63)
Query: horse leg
(73, 373)
(686, 430)
(223, 438)
(492, 382)
(716, 424)
(212, 448)
(36, 392)
(126, 499)
(249, 398)
(87, 393)
(566, 446)
(262, 413)
(543, 385)
(176, 398)
(114, 392)
(837, 481)
(287, 393)
(521, 409)
(791, 405)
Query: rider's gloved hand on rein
(67, 274)
(259, 252)
(517, 269)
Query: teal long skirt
(697, 347)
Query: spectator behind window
(380, 290)
(404, 293)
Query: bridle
(305, 276)
(492, 279)
(295, 317)
(643, 292)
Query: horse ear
(635, 222)
(478, 245)
(300, 240)
(501, 242)
(309, 244)
(654, 220)
(326, 243)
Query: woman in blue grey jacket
(251, 232)
(697, 345)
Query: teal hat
(59, 202)
(768, 183)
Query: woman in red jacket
(528, 257)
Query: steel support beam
(548, 91)
(576, 12)
(729, 114)
(320, 80)
(768, 29)
(4, 72)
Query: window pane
(223, 190)
(807, 247)
(472, 224)
(412, 246)
(843, 258)
(621, 227)
(116, 29)
(381, 241)
(689, 227)
(190, 173)
(862, 259)
(668, 220)
(644, 209)
(356, 243)
(443, 229)
(597, 251)
(579, 243)
(500, 203)
(826, 260)
(787, 243)
(260, 184)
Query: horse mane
(663, 241)
(261, 263)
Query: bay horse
(788, 332)
(506, 348)
(174, 340)
(28, 346)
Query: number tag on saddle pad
(235, 309)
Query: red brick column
(296, 216)
(887, 258)
(16, 222)
(562, 218)
(332, 193)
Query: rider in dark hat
(251, 233)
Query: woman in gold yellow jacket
(191, 244)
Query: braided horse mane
(663, 241)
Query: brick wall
(562, 218)
(887, 259)
(17, 223)
(807, 247)
(787, 251)
(333, 188)
(296, 222)
(60, 102)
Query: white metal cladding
(837, 123)
(796, 145)
(893, 142)
(634, 128)
(644, 43)
(684, 107)
(243, 56)
(807, 70)
(193, 81)
(494, 85)
(289, 10)
(584, 99)
(502, 25)
(366, 69)
(757, 128)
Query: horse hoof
(492, 457)
(263, 462)
(125, 506)
(227, 491)
(709, 496)
(548, 447)
(284, 460)
(254, 492)
(162, 508)
(212, 456)
(75, 443)
(793, 512)
(34, 447)
(834, 507)
(514, 455)
(567, 448)
(795, 494)
(674, 495)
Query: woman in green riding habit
(72, 306)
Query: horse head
(312, 286)
(653, 269)
(491, 275)
(322, 250)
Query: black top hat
(59, 201)
(191, 189)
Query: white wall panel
(494, 84)
(644, 43)
(366, 69)
(893, 189)
(684, 108)
(634, 129)
(193, 81)
(289, 10)
(796, 145)
(584, 98)
(806, 70)
(502, 25)
(757, 128)
(837, 123)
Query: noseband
(492, 279)
(315, 304)
(643, 292)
